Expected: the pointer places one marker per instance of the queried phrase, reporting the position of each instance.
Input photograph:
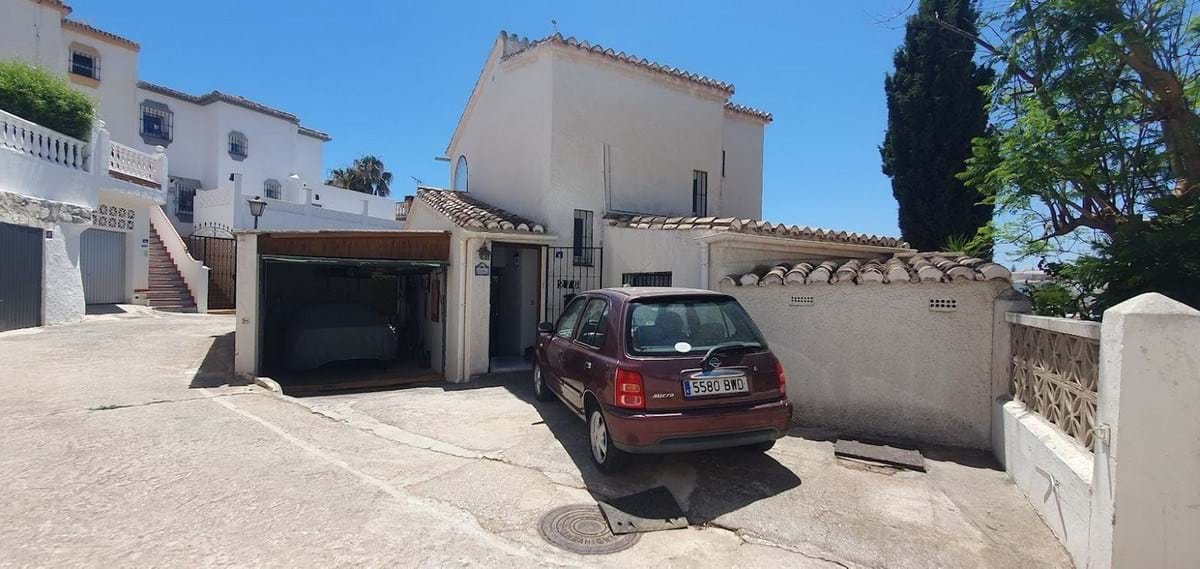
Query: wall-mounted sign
(482, 270)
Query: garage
(102, 262)
(348, 310)
(21, 277)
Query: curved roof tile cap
(918, 268)
(466, 211)
(745, 110)
(750, 227)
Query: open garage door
(102, 260)
(351, 310)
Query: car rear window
(677, 326)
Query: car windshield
(676, 326)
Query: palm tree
(367, 175)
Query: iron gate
(219, 254)
(570, 271)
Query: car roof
(636, 292)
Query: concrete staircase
(167, 290)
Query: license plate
(714, 386)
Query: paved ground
(121, 447)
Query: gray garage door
(20, 277)
(102, 258)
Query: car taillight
(782, 378)
(629, 390)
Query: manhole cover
(582, 529)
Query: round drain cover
(582, 529)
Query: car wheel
(540, 391)
(760, 447)
(606, 456)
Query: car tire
(760, 447)
(540, 391)
(606, 456)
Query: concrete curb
(268, 384)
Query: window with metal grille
(699, 193)
(85, 64)
(272, 188)
(646, 279)
(238, 145)
(581, 241)
(185, 196)
(157, 123)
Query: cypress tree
(935, 107)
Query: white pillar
(1146, 477)
(101, 150)
(1009, 301)
(160, 168)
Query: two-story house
(194, 160)
(575, 166)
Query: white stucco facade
(551, 128)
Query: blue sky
(391, 78)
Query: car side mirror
(545, 327)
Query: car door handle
(587, 365)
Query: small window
(646, 279)
(156, 127)
(185, 196)
(85, 63)
(460, 175)
(238, 146)
(593, 326)
(581, 239)
(699, 193)
(272, 188)
(566, 322)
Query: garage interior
(350, 323)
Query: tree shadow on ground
(217, 368)
(706, 484)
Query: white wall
(506, 136)
(650, 251)
(62, 280)
(742, 185)
(24, 174)
(657, 134)
(873, 359)
(115, 94)
(247, 328)
(32, 32)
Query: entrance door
(20, 277)
(102, 260)
(514, 306)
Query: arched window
(460, 175)
(272, 188)
(238, 145)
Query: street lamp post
(257, 205)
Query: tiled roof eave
(474, 215)
(920, 268)
(752, 227)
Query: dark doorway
(514, 306)
(20, 277)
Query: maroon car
(658, 370)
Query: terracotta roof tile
(917, 268)
(752, 227)
(76, 24)
(521, 44)
(743, 109)
(470, 213)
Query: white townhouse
(160, 165)
(575, 166)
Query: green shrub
(38, 96)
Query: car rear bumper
(698, 429)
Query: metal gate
(102, 260)
(20, 277)
(570, 271)
(219, 254)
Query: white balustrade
(40, 142)
(133, 162)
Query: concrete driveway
(124, 444)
